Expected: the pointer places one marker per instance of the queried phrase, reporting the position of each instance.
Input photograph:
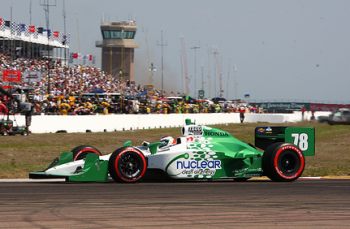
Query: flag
(31, 29)
(47, 32)
(84, 59)
(2, 23)
(40, 30)
(56, 34)
(22, 27)
(75, 55)
(90, 57)
(65, 39)
(18, 30)
(7, 23)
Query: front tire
(127, 165)
(283, 162)
(81, 151)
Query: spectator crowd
(83, 90)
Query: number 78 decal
(303, 137)
(300, 140)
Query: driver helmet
(166, 141)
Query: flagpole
(11, 38)
(46, 5)
(65, 42)
(30, 35)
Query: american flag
(24, 29)
(19, 29)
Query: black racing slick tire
(283, 162)
(81, 151)
(127, 165)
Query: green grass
(19, 155)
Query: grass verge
(19, 155)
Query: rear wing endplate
(302, 137)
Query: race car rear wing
(303, 137)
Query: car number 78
(301, 140)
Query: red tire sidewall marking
(299, 154)
(84, 150)
(116, 167)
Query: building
(118, 49)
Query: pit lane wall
(123, 122)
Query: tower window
(118, 34)
(106, 34)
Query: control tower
(118, 49)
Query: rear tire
(283, 162)
(127, 165)
(81, 151)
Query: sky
(275, 50)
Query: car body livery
(201, 152)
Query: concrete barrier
(120, 122)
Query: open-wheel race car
(201, 152)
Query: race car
(201, 153)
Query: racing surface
(226, 204)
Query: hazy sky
(291, 50)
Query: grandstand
(22, 40)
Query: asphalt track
(252, 204)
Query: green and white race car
(201, 152)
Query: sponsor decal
(261, 130)
(195, 130)
(268, 130)
(194, 168)
(194, 164)
(215, 134)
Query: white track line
(310, 178)
(30, 180)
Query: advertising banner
(13, 76)
(32, 76)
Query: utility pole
(46, 4)
(235, 82)
(202, 73)
(209, 74)
(151, 69)
(215, 53)
(220, 77)
(194, 48)
(228, 80)
(162, 45)
(185, 78)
